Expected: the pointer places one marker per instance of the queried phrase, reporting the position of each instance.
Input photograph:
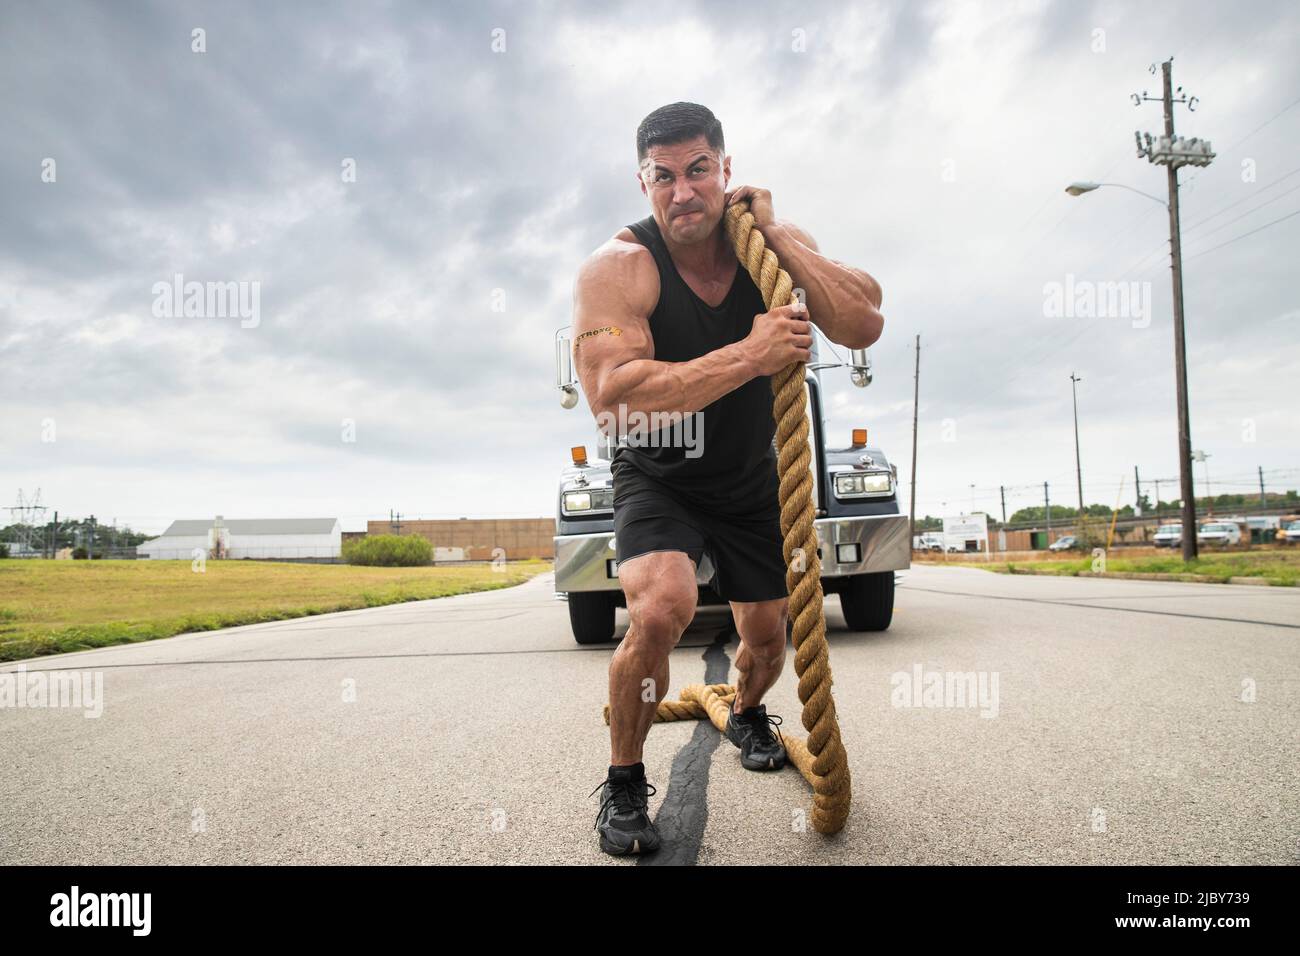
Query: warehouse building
(285, 539)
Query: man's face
(686, 184)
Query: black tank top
(729, 463)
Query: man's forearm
(648, 385)
(842, 301)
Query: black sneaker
(751, 731)
(624, 825)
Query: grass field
(51, 607)
(1277, 567)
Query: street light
(1079, 188)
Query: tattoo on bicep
(611, 329)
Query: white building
(966, 533)
(247, 538)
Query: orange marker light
(859, 436)
(579, 453)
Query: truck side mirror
(564, 379)
(860, 367)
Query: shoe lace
(627, 796)
(762, 728)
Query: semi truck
(862, 537)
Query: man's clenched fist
(779, 337)
(760, 203)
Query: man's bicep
(608, 330)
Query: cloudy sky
(412, 186)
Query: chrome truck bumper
(859, 545)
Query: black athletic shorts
(746, 550)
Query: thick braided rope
(829, 762)
(689, 708)
(821, 758)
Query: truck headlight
(864, 484)
(588, 502)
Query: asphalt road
(1133, 722)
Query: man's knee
(661, 598)
(661, 615)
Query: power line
(1141, 266)
(1243, 139)
(1261, 189)
(1244, 235)
(1284, 109)
(1251, 212)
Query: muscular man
(667, 324)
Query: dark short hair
(677, 123)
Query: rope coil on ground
(821, 758)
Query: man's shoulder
(620, 251)
(622, 262)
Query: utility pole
(1172, 152)
(916, 397)
(1263, 502)
(1078, 466)
(1047, 507)
(1003, 492)
(90, 549)
(1137, 483)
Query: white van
(1168, 536)
(1222, 533)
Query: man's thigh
(748, 552)
(649, 519)
(658, 545)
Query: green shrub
(389, 550)
(79, 554)
(1091, 532)
(4, 550)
